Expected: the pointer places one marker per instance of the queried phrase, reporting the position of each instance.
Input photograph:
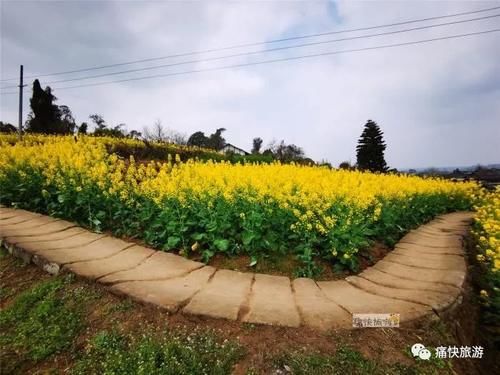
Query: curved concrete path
(423, 275)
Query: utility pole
(21, 87)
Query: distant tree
(216, 141)
(308, 161)
(287, 153)
(98, 121)
(176, 137)
(345, 165)
(156, 133)
(82, 129)
(268, 152)
(370, 149)
(135, 134)
(102, 129)
(161, 134)
(431, 171)
(116, 131)
(256, 145)
(45, 116)
(478, 168)
(198, 139)
(5, 127)
(67, 120)
(325, 163)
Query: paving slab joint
(245, 305)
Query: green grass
(349, 361)
(123, 306)
(5, 292)
(195, 353)
(39, 323)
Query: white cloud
(436, 103)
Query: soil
(284, 265)
(288, 265)
(261, 343)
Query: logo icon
(419, 350)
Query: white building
(229, 148)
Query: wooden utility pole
(21, 87)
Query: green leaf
(198, 236)
(60, 198)
(222, 245)
(173, 241)
(247, 238)
(253, 261)
(206, 255)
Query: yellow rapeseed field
(259, 209)
(486, 234)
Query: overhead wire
(301, 57)
(257, 43)
(241, 54)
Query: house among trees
(231, 149)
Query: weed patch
(197, 353)
(39, 322)
(349, 361)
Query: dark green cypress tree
(45, 116)
(370, 149)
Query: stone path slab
(272, 301)
(9, 216)
(12, 221)
(436, 300)
(437, 242)
(316, 310)
(169, 294)
(358, 301)
(425, 255)
(423, 275)
(393, 281)
(440, 262)
(453, 278)
(125, 260)
(51, 239)
(421, 249)
(45, 227)
(99, 249)
(158, 266)
(223, 296)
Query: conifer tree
(47, 117)
(370, 149)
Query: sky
(437, 103)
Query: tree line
(46, 117)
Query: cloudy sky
(437, 103)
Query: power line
(301, 57)
(264, 51)
(259, 43)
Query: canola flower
(487, 229)
(208, 207)
(486, 233)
